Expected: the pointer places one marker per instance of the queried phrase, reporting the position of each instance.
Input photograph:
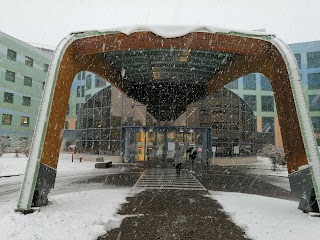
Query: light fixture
(184, 55)
(155, 73)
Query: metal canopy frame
(250, 53)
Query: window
(8, 97)
(78, 91)
(249, 82)
(267, 124)
(68, 110)
(298, 58)
(66, 125)
(10, 76)
(87, 97)
(267, 104)
(25, 121)
(251, 100)
(204, 111)
(233, 85)
(83, 75)
(45, 67)
(12, 55)
(316, 124)
(6, 119)
(314, 81)
(99, 82)
(82, 91)
(313, 59)
(314, 102)
(26, 101)
(88, 82)
(27, 81)
(265, 84)
(29, 61)
(79, 76)
(78, 106)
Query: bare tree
(24, 147)
(4, 143)
(275, 154)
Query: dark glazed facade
(103, 115)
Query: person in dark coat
(192, 157)
(178, 159)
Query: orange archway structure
(205, 58)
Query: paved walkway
(164, 178)
(167, 209)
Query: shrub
(275, 154)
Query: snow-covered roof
(169, 31)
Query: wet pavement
(183, 214)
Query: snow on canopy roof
(172, 31)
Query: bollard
(80, 158)
(71, 157)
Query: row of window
(9, 98)
(27, 81)
(11, 77)
(78, 106)
(249, 82)
(12, 55)
(267, 103)
(313, 59)
(99, 82)
(7, 120)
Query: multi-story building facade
(255, 89)
(23, 70)
(84, 85)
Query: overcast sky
(49, 21)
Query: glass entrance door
(159, 143)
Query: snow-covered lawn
(265, 218)
(76, 215)
(81, 215)
(263, 166)
(90, 213)
(12, 165)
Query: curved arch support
(252, 53)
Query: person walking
(178, 159)
(192, 157)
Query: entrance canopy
(172, 77)
(170, 66)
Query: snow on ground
(89, 214)
(263, 166)
(265, 218)
(12, 165)
(81, 215)
(73, 215)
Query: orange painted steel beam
(251, 55)
(254, 55)
(147, 40)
